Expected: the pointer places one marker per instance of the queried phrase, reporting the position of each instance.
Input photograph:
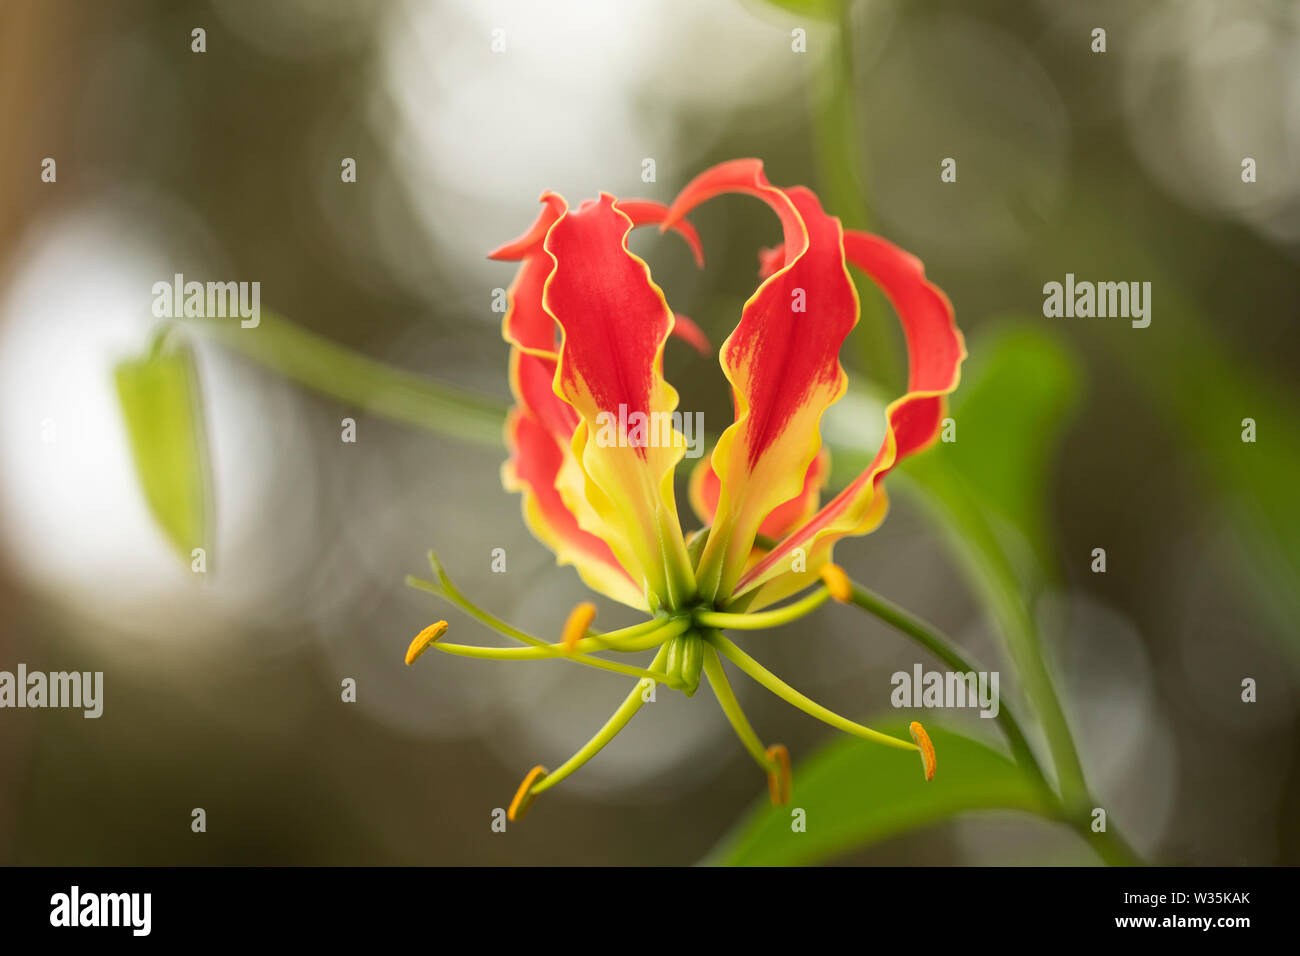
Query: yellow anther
(926, 747)
(523, 799)
(837, 582)
(779, 781)
(422, 640)
(576, 627)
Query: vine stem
(337, 371)
(1110, 844)
(943, 648)
(839, 166)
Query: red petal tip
(686, 330)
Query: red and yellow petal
(552, 480)
(645, 212)
(935, 352)
(532, 469)
(781, 520)
(614, 323)
(527, 325)
(690, 333)
(783, 365)
(553, 207)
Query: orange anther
(422, 640)
(837, 582)
(576, 627)
(926, 747)
(523, 799)
(779, 781)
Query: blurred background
(222, 690)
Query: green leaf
(821, 9)
(856, 794)
(163, 409)
(1019, 388)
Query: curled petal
(614, 323)
(769, 260)
(935, 352)
(555, 482)
(783, 364)
(741, 176)
(935, 345)
(527, 325)
(553, 207)
(692, 334)
(644, 212)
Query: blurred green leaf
(822, 9)
(1018, 390)
(1019, 387)
(856, 794)
(163, 409)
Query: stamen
(667, 630)
(631, 704)
(731, 707)
(451, 595)
(762, 620)
(779, 784)
(448, 592)
(638, 637)
(422, 640)
(925, 746)
(837, 582)
(775, 760)
(787, 693)
(575, 628)
(523, 796)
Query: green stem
(1111, 846)
(762, 620)
(840, 164)
(624, 640)
(987, 566)
(735, 714)
(335, 370)
(452, 596)
(943, 648)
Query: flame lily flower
(587, 328)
